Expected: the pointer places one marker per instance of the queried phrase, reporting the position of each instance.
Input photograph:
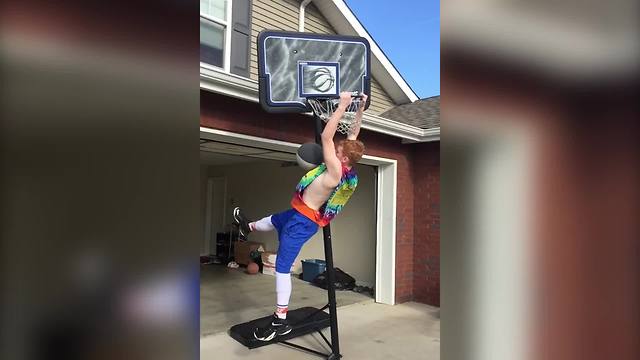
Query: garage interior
(261, 181)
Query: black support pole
(319, 128)
(331, 276)
(331, 289)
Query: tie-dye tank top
(337, 199)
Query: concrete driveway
(367, 331)
(230, 296)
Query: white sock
(263, 224)
(281, 312)
(283, 292)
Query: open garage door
(381, 201)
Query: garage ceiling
(219, 153)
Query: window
(214, 32)
(225, 36)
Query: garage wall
(263, 188)
(353, 232)
(203, 204)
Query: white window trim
(227, 38)
(228, 28)
(214, 19)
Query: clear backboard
(294, 66)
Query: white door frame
(207, 219)
(386, 205)
(209, 231)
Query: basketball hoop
(324, 108)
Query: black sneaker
(242, 222)
(277, 327)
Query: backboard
(294, 66)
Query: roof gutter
(240, 87)
(303, 5)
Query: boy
(319, 197)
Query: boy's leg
(283, 293)
(263, 224)
(269, 223)
(283, 279)
(292, 235)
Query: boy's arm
(353, 134)
(334, 167)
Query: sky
(408, 31)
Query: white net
(324, 108)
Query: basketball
(252, 268)
(309, 155)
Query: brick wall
(225, 113)
(426, 247)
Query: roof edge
(351, 22)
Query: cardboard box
(269, 258)
(269, 263)
(269, 270)
(243, 250)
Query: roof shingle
(423, 113)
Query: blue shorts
(294, 229)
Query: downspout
(303, 5)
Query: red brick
(426, 286)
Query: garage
(259, 175)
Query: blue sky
(408, 31)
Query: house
(389, 233)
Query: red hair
(352, 149)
